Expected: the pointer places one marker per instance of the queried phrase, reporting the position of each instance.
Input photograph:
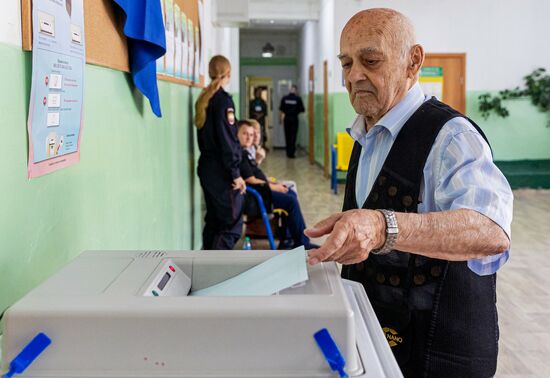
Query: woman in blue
(219, 160)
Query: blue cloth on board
(144, 27)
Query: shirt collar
(395, 118)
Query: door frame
(325, 118)
(311, 113)
(461, 106)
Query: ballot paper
(271, 276)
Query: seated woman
(281, 196)
(256, 150)
(258, 153)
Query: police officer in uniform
(291, 106)
(219, 160)
(427, 214)
(258, 110)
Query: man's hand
(278, 187)
(239, 184)
(352, 235)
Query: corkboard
(106, 44)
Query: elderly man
(426, 220)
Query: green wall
(522, 135)
(134, 188)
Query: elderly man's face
(375, 71)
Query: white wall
(503, 39)
(307, 56)
(10, 22)
(317, 44)
(222, 41)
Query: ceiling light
(268, 50)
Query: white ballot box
(128, 314)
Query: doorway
(444, 75)
(264, 87)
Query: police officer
(291, 106)
(219, 161)
(258, 110)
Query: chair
(264, 216)
(341, 154)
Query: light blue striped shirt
(459, 172)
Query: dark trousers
(291, 132)
(223, 222)
(296, 224)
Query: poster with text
(431, 81)
(202, 57)
(161, 60)
(184, 47)
(55, 105)
(191, 49)
(177, 41)
(170, 38)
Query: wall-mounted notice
(55, 104)
(431, 81)
(184, 48)
(177, 41)
(202, 58)
(170, 45)
(191, 55)
(161, 61)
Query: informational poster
(202, 58)
(196, 77)
(170, 38)
(431, 81)
(161, 60)
(184, 48)
(191, 61)
(177, 41)
(57, 88)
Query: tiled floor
(523, 283)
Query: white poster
(170, 50)
(196, 77)
(55, 105)
(191, 60)
(177, 41)
(161, 60)
(184, 48)
(202, 58)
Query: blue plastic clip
(28, 354)
(331, 352)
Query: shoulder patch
(230, 113)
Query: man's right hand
(239, 184)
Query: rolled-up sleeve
(468, 179)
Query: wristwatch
(391, 233)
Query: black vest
(439, 317)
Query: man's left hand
(352, 235)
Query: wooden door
(325, 117)
(454, 77)
(311, 114)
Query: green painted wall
(522, 135)
(134, 187)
